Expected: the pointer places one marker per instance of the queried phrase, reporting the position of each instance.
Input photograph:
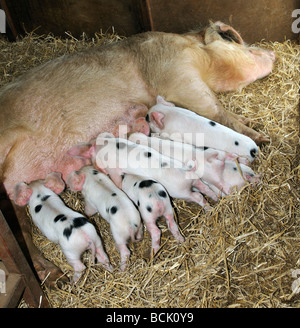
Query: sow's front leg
(189, 91)
(43, 267)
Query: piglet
(118, 156)
(60, 224)
(153, 202)
(236, 175)
(102, 196)
(209, 163)
(186, 126)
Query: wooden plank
(15, 263)
(145, 15)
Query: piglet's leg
(199, 199)
(89, 210)
(174, 228)
(124, 253)
(155, 234)
(101, 256)
(116, 176)
(78, 267)
(202, 187)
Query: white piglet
(186, 126)
(60, 224)
(216, 168)
(118, 156)
(101, 195)
(237, 176)
(153, 202)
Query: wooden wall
(255, 19)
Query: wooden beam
(20, 278)
(145, 14)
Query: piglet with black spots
(101, 195)
(216, 168)
(183, 125)
(60, 224)
(153, 202)
(117, 156)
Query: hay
(242, 253)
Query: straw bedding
(242, 253)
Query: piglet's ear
(84, 150)
(158, 119)
(213, 156)
(22, 194)
(75, 180)
(162, 100)
(55, 182)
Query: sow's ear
(219, 30)
(22, 194)
(84, 150)
(55, 182)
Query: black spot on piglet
(38, 208)
(60, 217)
(113, 210)
(162, 193)
(67, 232)
(146, 183)
(253, 152)
(79, 222)
(149, 209)
(45, 198)
(212, 123)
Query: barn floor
(244, 253)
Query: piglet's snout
(254, 152)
